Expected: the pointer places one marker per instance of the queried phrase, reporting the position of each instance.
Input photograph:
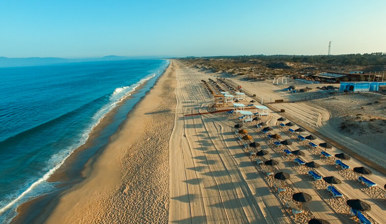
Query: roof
(330, 75)
(244, 112)
(238, 105)
(261, 107)
(227, 95)
(238, 93)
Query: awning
(244, 112)
(238, 105)
(261, 107)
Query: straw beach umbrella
(310, 137)
(238, 125)
(243, 131)
(332, 180)
(342, 156)
(281, 119)
(299, 130)
(247, 137)
(289, 124)
(358, 205)
(298, 153)
(267, 129)
(318, 221)
(282, 176)
(312, 164)
(362, 170)
(325, 145)
(262, 153)
(301, 197)
(254, 144)
(286, 142)
(271, 162)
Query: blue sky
(85, 28)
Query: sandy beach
(165, 167)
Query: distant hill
(35, 61)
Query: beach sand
(163, 166)
(128, 183)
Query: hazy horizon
(170, 28)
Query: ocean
(46, 112)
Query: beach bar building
(361, 86)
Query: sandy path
(209, 181)
(129, 181)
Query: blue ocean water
(48, 111)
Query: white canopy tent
(239, 105)
(262, 110)
(240, 96)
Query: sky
(93, 28)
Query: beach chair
(366, 182)
(269, 173)
(265, 131)
(277, 143)
(252, 154)
(362, 219)
(291, 130)
(279, 189)
(245, 146)
(335, 193)
(312, 145)
(325, 154)
(259, 162)
(281, 124)
(242, 117)
(314, 175)
(299, 161)
(295, 209)
(341, 164)
(301, 138)
(239, 138)
(287, 152)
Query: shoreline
(78, 165)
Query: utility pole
(329, 48)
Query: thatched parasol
(332, 180)
(310, 137)
(255, 119)
(271, 162)
(325, 145)
(289, 124)
(298, 153)
(262, 153)
(254, 144)
(267, 129)
(358, 205)
(301, 197)
(318, 221)
(238, 125)
(312, 164)
(243, 131)
(262, 124)
(275, 136)
(342, 156)
(282, 176)
(362, 170)
(299, 130)
(281, 119)
(247, 137)
(286, 142)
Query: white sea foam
(58, 159)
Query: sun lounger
(287, 152)
(325, 154)
(367, 182)
(313, 145)
(252, 153)
(314, 175)
(269, 173)
(265, 131)
(281, 124)
(295, 209)
(245, 146)
(335, 193)
(299, 161)
(242, 117)
(341, 164)
(291, 130)
(230, 112)
(360, 216)
(280, 189)
(301, 138)
(277, 143)
(258, 162)
(239, 138)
